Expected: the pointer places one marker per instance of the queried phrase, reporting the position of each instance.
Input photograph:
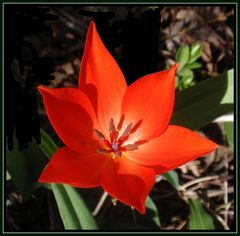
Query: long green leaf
(200, 104)
(150, 205)
(150, 220)
(228, 129)
(172, 178)
(199, 218)
(47, 145)
(73, 211)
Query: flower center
(116, 144)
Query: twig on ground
(225, 187)
(100, 203)
(216, 193)
(196, 181)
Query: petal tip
(92, 23)
(42, 178)
(142, 210)
(41, 89)
(215, 145)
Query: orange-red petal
(175, 147)
(78, 170)
(72, 117)
(128, 182)
(150, 101)
(101, 79)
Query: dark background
(44, 45)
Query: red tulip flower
(116, 136)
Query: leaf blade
(151, 206)
(172, 178)
(199, 218)
(195, 52)
(229, 132)
(74, 213)
(182, 56)
(200, 104)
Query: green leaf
(193, 65)
(187, 77)
(182, 56)
(187, 82)
(185, 72)
(200, 104)
(172, 178)
(150, 205)
(229, 132)
(47, 145)
(195, 52)
(74, 213)
(8, 176)
(177, 82)
(199, 218)
(25, 167)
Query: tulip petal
(150, 101)
(72, 117)
(69, 167)
(175, 147)
(101, 79)
(128, 182)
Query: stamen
(111, 126)
(136, 126)
(118, 154)
(120, 124)
(113, 133)
(107, 143)
(99, 134)
(127, 130)
(103, 151)
(113, 144)
(130, 147)
(140, 142)
(122, 139)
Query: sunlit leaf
(193, 65)
(200, 219)
(200, 104)
(172, 178)
(182, 56)
(195, 52)
(8, 176)
(73, 211)
(229, 132)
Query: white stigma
(115, 146)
